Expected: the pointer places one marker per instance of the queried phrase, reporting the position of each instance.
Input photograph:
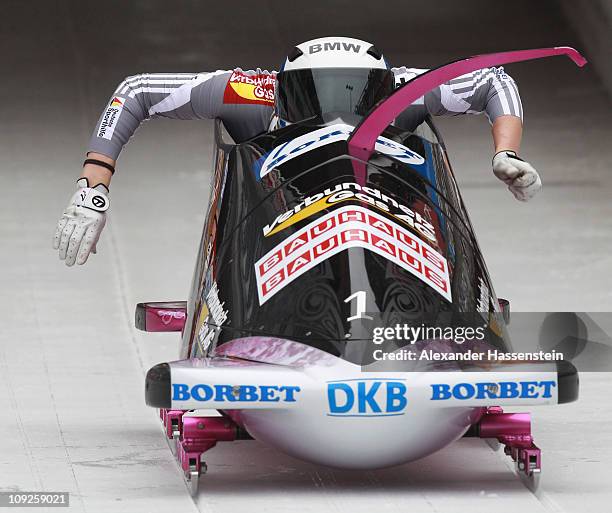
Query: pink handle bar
(362, 141)
(161, 316)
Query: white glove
(521, 178)
(79, 228)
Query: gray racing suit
(244, 101)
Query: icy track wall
(592, 20)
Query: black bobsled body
(319, 235)
(269, 190)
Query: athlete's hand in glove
(521, 178)
(79, 228)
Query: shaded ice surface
(72, 364)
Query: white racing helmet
(330, 77)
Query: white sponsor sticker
(331, 134)
(214, 308)
(111, 117)
(345, 228)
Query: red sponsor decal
(257, 89)
(322, 227)
(431, 275)
(270, 262)
(296, 243)
(381, 225)
(298, 263)
(273, 281)
(351, 214)
(408, 240)
(434, 257)
(325, 246)
(387, 247)
(351, 235)
(346, 228)
(409, 260)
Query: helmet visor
(307, 93)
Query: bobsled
(331, 249)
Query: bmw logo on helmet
(335, 52)
(330, 77)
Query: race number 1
(360, 296)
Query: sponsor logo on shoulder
(501, 74)
(366, 398)
(331, 134)
(111, 117)
(255, 89)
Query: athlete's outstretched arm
(229, 95)
(131, 104)
(136, 99)
(145, 96)
(507, 133)
(493, 92)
